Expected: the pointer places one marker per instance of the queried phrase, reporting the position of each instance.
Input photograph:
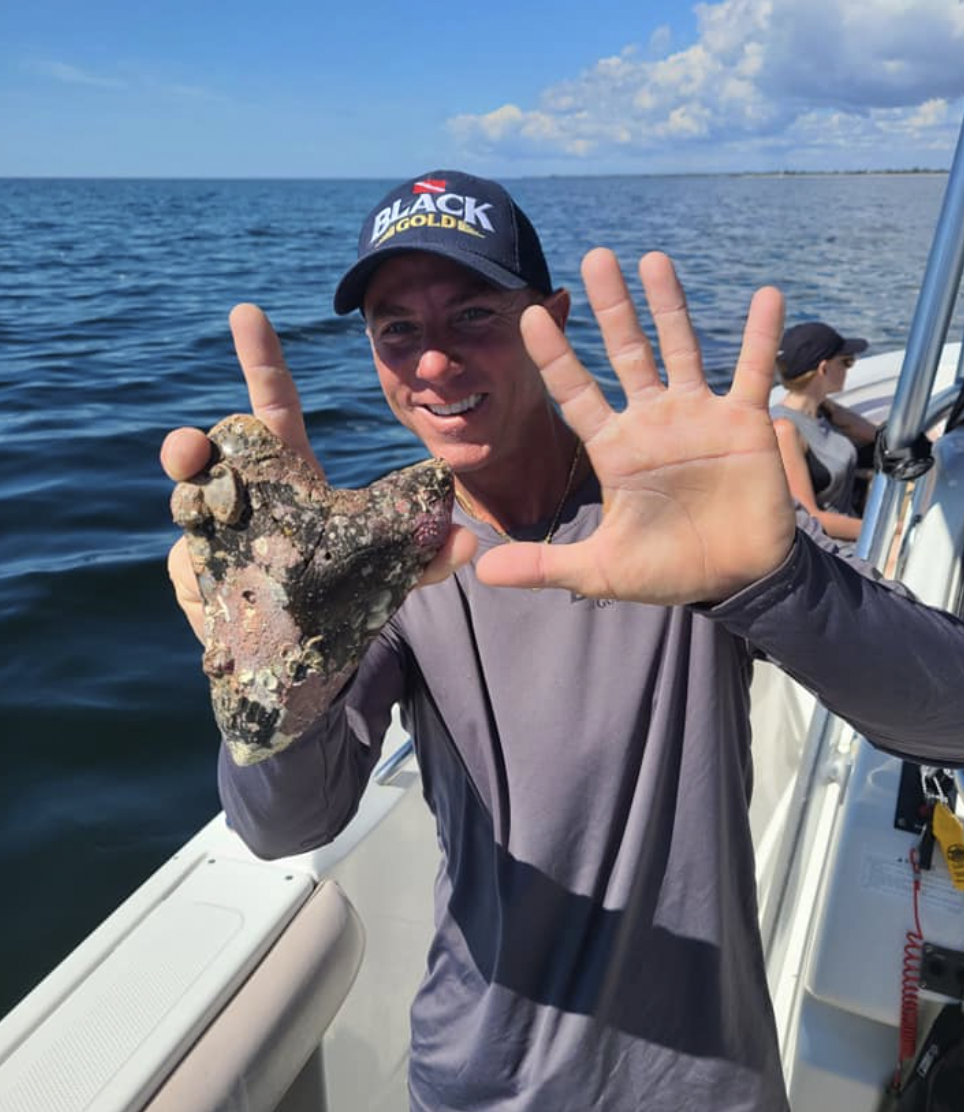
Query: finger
(753, 377)
(274, 396)
(628, 348)
(459, 548)
(184, 453)
(532, 565)
(582, 402)
(667, 303)
(186, 589)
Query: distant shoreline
(919, 172)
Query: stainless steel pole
(928, 332)
(932, 317)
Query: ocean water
(114, 298)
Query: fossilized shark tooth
(297, 577)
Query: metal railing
(392, 765)
(925, 342)
(912, 411)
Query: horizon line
(507, 177)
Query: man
(584, 744)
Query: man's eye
(396, 328)
(472, 313)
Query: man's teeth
(455, 408)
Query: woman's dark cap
(470, 220)
(805, 346)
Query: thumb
(458, 550)
(185, 584)
(534, 565)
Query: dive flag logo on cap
(429, 185)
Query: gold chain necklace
(469, 506)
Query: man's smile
(456, 409)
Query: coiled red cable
(910, 982)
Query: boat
(225, 982)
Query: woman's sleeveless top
(831, 459)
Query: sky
(371, 88)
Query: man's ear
(557, 305)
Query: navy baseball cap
(470, 220)
(805, 346)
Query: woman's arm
(793, 451)
(857, 428)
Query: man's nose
(438, 362)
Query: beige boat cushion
(259, 1043)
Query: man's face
(451, 361)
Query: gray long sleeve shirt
(588, 765)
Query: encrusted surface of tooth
(297, 585)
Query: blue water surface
(114, 298)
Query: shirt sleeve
(305, 795)
(873, 654)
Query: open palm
(695, 499)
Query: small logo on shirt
(599, 603)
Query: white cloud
(660, 41)
(776, 78)
(192, 92)
(931, 113)
(132, 80)
(73, 75)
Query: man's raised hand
(274, 401)
(271, 390)
(695, 500)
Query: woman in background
(819, 439)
